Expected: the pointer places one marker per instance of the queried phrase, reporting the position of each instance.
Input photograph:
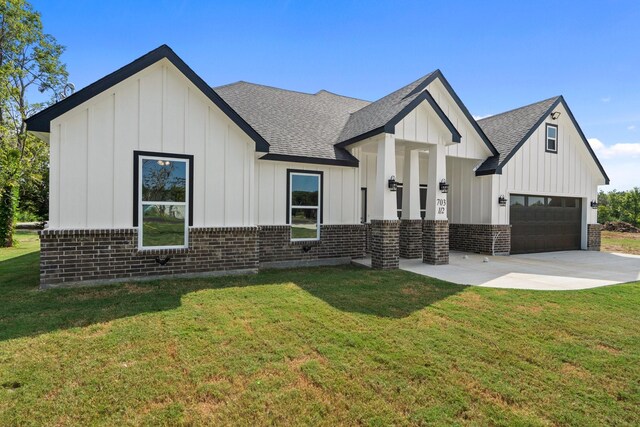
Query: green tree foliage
(619, 206)
(29, 60)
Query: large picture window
(162, 200)
(304, 207)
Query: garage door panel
(545, 224)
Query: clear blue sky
(497, 55)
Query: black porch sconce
(393, 185)
(555, 115)
(594, 204)
(502, 201)
(444, 187)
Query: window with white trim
(163, 201)
(304, 204)
(552, 138)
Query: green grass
(621, 242)
(322, 346)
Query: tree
(29, 59)
(631, 206)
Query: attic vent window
(552, 139)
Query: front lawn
(327, 346)
(621, 242)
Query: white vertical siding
(570, 173)
(471, 145)
(155, 110)
(340, 186)
(469, 195)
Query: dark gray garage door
(541, 224)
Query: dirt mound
(620, 226)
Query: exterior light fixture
(393, 185)
(502, 201)
(444, 187)
(555, 115)
(594, 204)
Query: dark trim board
(437, 74)
(309, 172)
(364, 204)
(389, 127)
(136, 180)
(41, 122)
(498, 168)
(353, 162)
(424, 96)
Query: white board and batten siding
(571, 172)
(423, 125)
(469, 198)
(341, 192)
(156, 110)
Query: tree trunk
(8, 209)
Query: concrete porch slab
(568, 270)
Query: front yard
(621, 242)
(328, 346)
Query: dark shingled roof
(295, 123)
(310, 125)
(379, 113)
(507, 130)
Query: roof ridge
(342, 96)
(554, 98)
(266, 86)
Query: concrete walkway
(568, 270)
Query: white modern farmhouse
(153, 172)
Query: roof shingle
(506, 130)
(295, 123)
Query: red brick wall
(411, 238)
(478, 238)
(593, 236)
(385, 246)
(336, 241)
(68, 256)
(435, 241)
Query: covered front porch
(417, 176)
(406, 204)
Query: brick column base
(411, 238)
(385, 247)
(435, 241)
(593, 237)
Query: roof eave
(353, 162)
(41, 121)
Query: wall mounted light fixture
(393, 185)
(502, 201)
(594, 204)
(444, 187)
(555, 115)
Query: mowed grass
(621, 242)
(324, 346)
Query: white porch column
(435, 230)
(385, 250)
(437, 171)
(411, 185)
(384, 202)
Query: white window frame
(141, 202)
(318, 208)
(547, 138)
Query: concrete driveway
(568, 270)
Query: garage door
(542, 224)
